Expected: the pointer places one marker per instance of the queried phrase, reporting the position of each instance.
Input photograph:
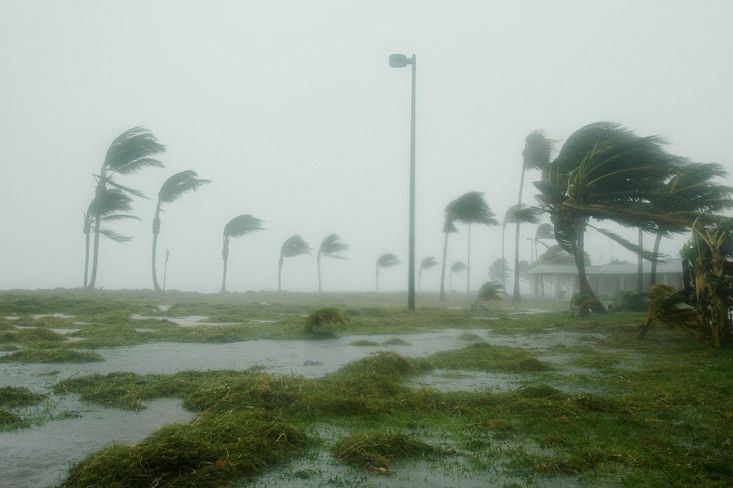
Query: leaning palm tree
(518, 214)
(170, 191)
(535, 155)
(499, 270)
(544, 232)
(239, 226)
(427, 263)
(386, 260)
(130, 152)
(470, 208)
(110, 205)
(448, 228)
(293, 246)
(457, 267)
(330, 247)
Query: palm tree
(331, 245)
(544, 231)
(448, 228)
(498, 270)
(170, 191)
(130, 152)
(239, 226)
(108, 205)
(457, 267)
(605, 171)
(386, 260)
(293, 246)
(535, 155)
(470, 208)
(489, 291)
(517, 214)
(427, 263)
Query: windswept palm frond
(499, 270)
(294, 246)
(522, 214)
(132, 151)
(109, 201)
(110, 234)
(544, 231)
(387, 260)
(132, 191)
(537, 150)
(470, 208)
(178, 184)
(449, 227)
(491, 290)
(458, 267)
(331, 245)
(116, 217)
(242, 225)
(556, 255)
(428, 262)
(646, 254)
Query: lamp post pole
(400, 61)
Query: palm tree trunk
(450, 278)
(503, 261)
(86, 256)
(280, 273)
(165, 268)
(95, 253)
(225, 258)
(517, 297)
(640, 265)
(377, 278)
(584, 287)
(655, 256)
(442, 272)
(419, 280)
(156, 231)
(468, 263)
(318, 265)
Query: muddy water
(39, 457)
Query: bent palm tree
(386, 260)
(331, 245)
(170, 191)
(470, 208)
(498, 270)
(448, 228)
(130, 152)
(293, 246)
(457, 267)
(427, 263)
(239, 226)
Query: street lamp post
(400, 61)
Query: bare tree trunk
(419, 280)
(655, 257)
(503, 260)
(99, 190)
(86, 255)
(468, 263)
(165, 268)
(640, 265)
(377, 278)
(156, 231)
(280, 273)
(517, 297)
(318, 265)
(584, 287)
(225, 258)
(442, 272)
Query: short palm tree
(457, 267)
(448, 228)
(130, 152)
(427, 263)
(293, 246)
(489, 291)
(239, 226)
(470, 208)
(386, 260)
(170, 191)
(330, 247)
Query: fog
(292, 111)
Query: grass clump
(325, 323)
(10, 421)
(395, 341)
(206, 453)
(12, 397)
(51, 356)
(485, 357)
(364, 343)
(375, 451)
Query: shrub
(325, 322)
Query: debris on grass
(324, 323)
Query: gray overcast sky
(291, 109)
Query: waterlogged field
(129, 389)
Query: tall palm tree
(535, 155)
(457, 267)
(130, 152)
(386, 260)
(108, 205)
(239, 226)
(293, 246)
(470, 208)
(330, 247)
(427, 263)
(448, 228)
(605, 171)
(170, 191)
(518, 214)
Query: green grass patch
(485, 357)
(376, 450)
(364, 343)
(395, 341)
(11, 421)
(11, 397)
(51, 356)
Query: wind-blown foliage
(425, 264)
(470, 208)
(330, 247)
(604, 171)
(499, 270)
(386, 260)
(293, 246)
(457, 267)
(130, 152)
(448, 228)
(239, 226)
(517, 214)
(171, 190)
(489, 291)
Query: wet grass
(12, 397)
(51, 356)
(481, 356)
(375, 450)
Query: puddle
(459, 380)
(143, 330)
(11, 317)
(40, 456)
(164, 308)
(64, 331)
(530, 311)
(260, 321)
(37, 316)
(187, 321)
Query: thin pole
(411, 264)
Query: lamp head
(399, 60)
